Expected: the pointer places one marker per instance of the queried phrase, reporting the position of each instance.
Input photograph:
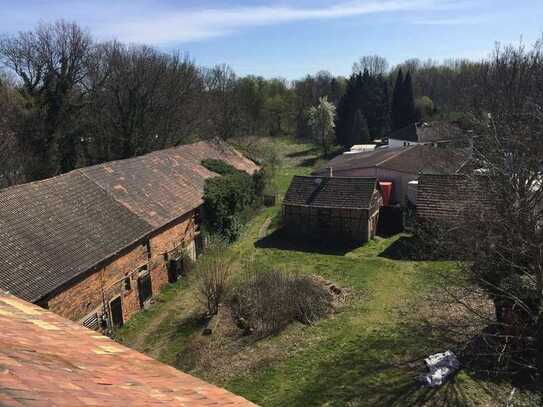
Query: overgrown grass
(368, 354)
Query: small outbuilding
(333, 207)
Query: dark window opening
(144, 287)
(127, 284)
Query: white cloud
(174, 25)
(452, 21)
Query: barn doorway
(145, 290)
(116, 308)
(175, 269)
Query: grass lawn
(369, 353)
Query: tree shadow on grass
(309, 162)
(382, 370)
(412, 248)
(304, 153)
(281, 240)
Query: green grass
(367, 354)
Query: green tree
(424, 107)
(360, 133)
(321, 120)
(403, 102)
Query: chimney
(331, 172)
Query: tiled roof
(411, 160)
(53, 230)
(46, 360)
(429, 132)
(451, 197)
(163, 185)
(334, 192)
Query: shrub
(225, 199)
(220, 167)
(267, 301)
(213, 271)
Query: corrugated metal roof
(334, 192)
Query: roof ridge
(400, 152)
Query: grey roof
(51, 231)
(411, 160)
(429, 132)
(450, 198)
(331, 192)
(54, 230)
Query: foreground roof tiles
(46, 360)
(334, 192)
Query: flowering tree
(321, 121)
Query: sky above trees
(291, 39)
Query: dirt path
(264, 228)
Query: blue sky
(290, 39)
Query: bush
(225, 199)
(213, 270)
(267, 301)
(220, 167)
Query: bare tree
(11, 156)
(374, 64)
(221, 88)
(50, 62)
(139, 99)
(499, 238)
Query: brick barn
(335, 207)
(94, 245)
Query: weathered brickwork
(85, 296)
(120, 276)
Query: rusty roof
(51, 231)
(331, 192)
(161, 186)
(49, 361)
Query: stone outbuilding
(333, 207)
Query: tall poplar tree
(403, 102)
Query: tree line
(68, 101)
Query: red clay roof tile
(47, 360)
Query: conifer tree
(396, 111)
(360, 133)
(410, 111)
(404, 111)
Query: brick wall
(86, 296)
(83, 297)
(176, 236)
